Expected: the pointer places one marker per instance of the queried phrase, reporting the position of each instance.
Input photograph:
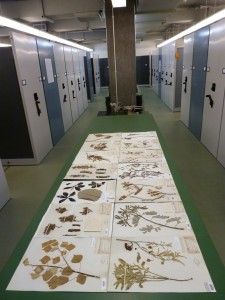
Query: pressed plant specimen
(153, 193)
(96, 158)
(154, 250)
(57, 267)
(127, 274)
(141, 170)
(130, 216)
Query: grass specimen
(139, 170)
(132, 214)
(94, 158)
(55, 268)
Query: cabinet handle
(211, 102)
(78, 81)
(63, 86)
(64, 98)
(71, 82)
(185, 85)
(73, 94)
(37, 104)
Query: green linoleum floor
(202, 174)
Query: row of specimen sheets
(116, 223)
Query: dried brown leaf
(57, 281)
(77, 258)
(49, 273)
(34, 276)
(26, 262)
(67, 271)
(56, 260)
(81, 279)
(45, 259)
(38, 269)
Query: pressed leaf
(26, 262)
(142, 264)
(49, 243)
(49, 273)
(34, 276)
(38, 269)
(151, 213)
(56, 260)
(61, 210)
(45, 259)
(67, 246)
(57, 281)
(67, 271)
(77, 258)
(138, 257)
(81, 279)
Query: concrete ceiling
(83, 21)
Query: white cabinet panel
(221, 147)
(71, 82)
(83, 79)
(28, 70)
(186, 78)
(96, 73)
(4, 190)
(63, 85)
(215, 87)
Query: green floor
(203, 175)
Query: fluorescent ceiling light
(30, 30)
(4, 45)
(216, 17)
(119, 3)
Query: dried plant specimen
(86, 211)
(99, 146)
(49, 228)
(94, 158)
(61, 210)
(132, 214)
(59, 270)
(154, 250)
(127, 275)
(89, 194)
(70, 218)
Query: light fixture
(119, 3)
(216, 17)
(30, 30)
(4, 45)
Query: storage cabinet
(25, 131)
(200, 54)
(63, 85)
(48, 72)
(215, 88)
(83, 78)
(71, 82)
(78, 80)
(187, 78)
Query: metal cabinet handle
(71, 82)
(170, 83)
(63, 86)
(211, 102)
(78, 81)
(73, 94)
(185, 85)
(37, 104)
(64, 98)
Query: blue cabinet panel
(200, 55)
(48, 71)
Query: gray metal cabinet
(71, 82)
(32, 94)
(83, 78)
(215, 88)
(63, 85)
(221, 146)
(186, 78)
(48, 71)
(78, 80)
(96, 72)
(200, 54)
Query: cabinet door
(63, 85)
(96, 73)
(171, 76)
(186, 78)
(71, 82)
(200, 54)
(221, 147)
(29, 74)
(48, 71)
(83, 79)
(215, 87)
(78, 80)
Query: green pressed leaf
(138, 257)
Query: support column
(120, 26)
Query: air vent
(40, 26)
